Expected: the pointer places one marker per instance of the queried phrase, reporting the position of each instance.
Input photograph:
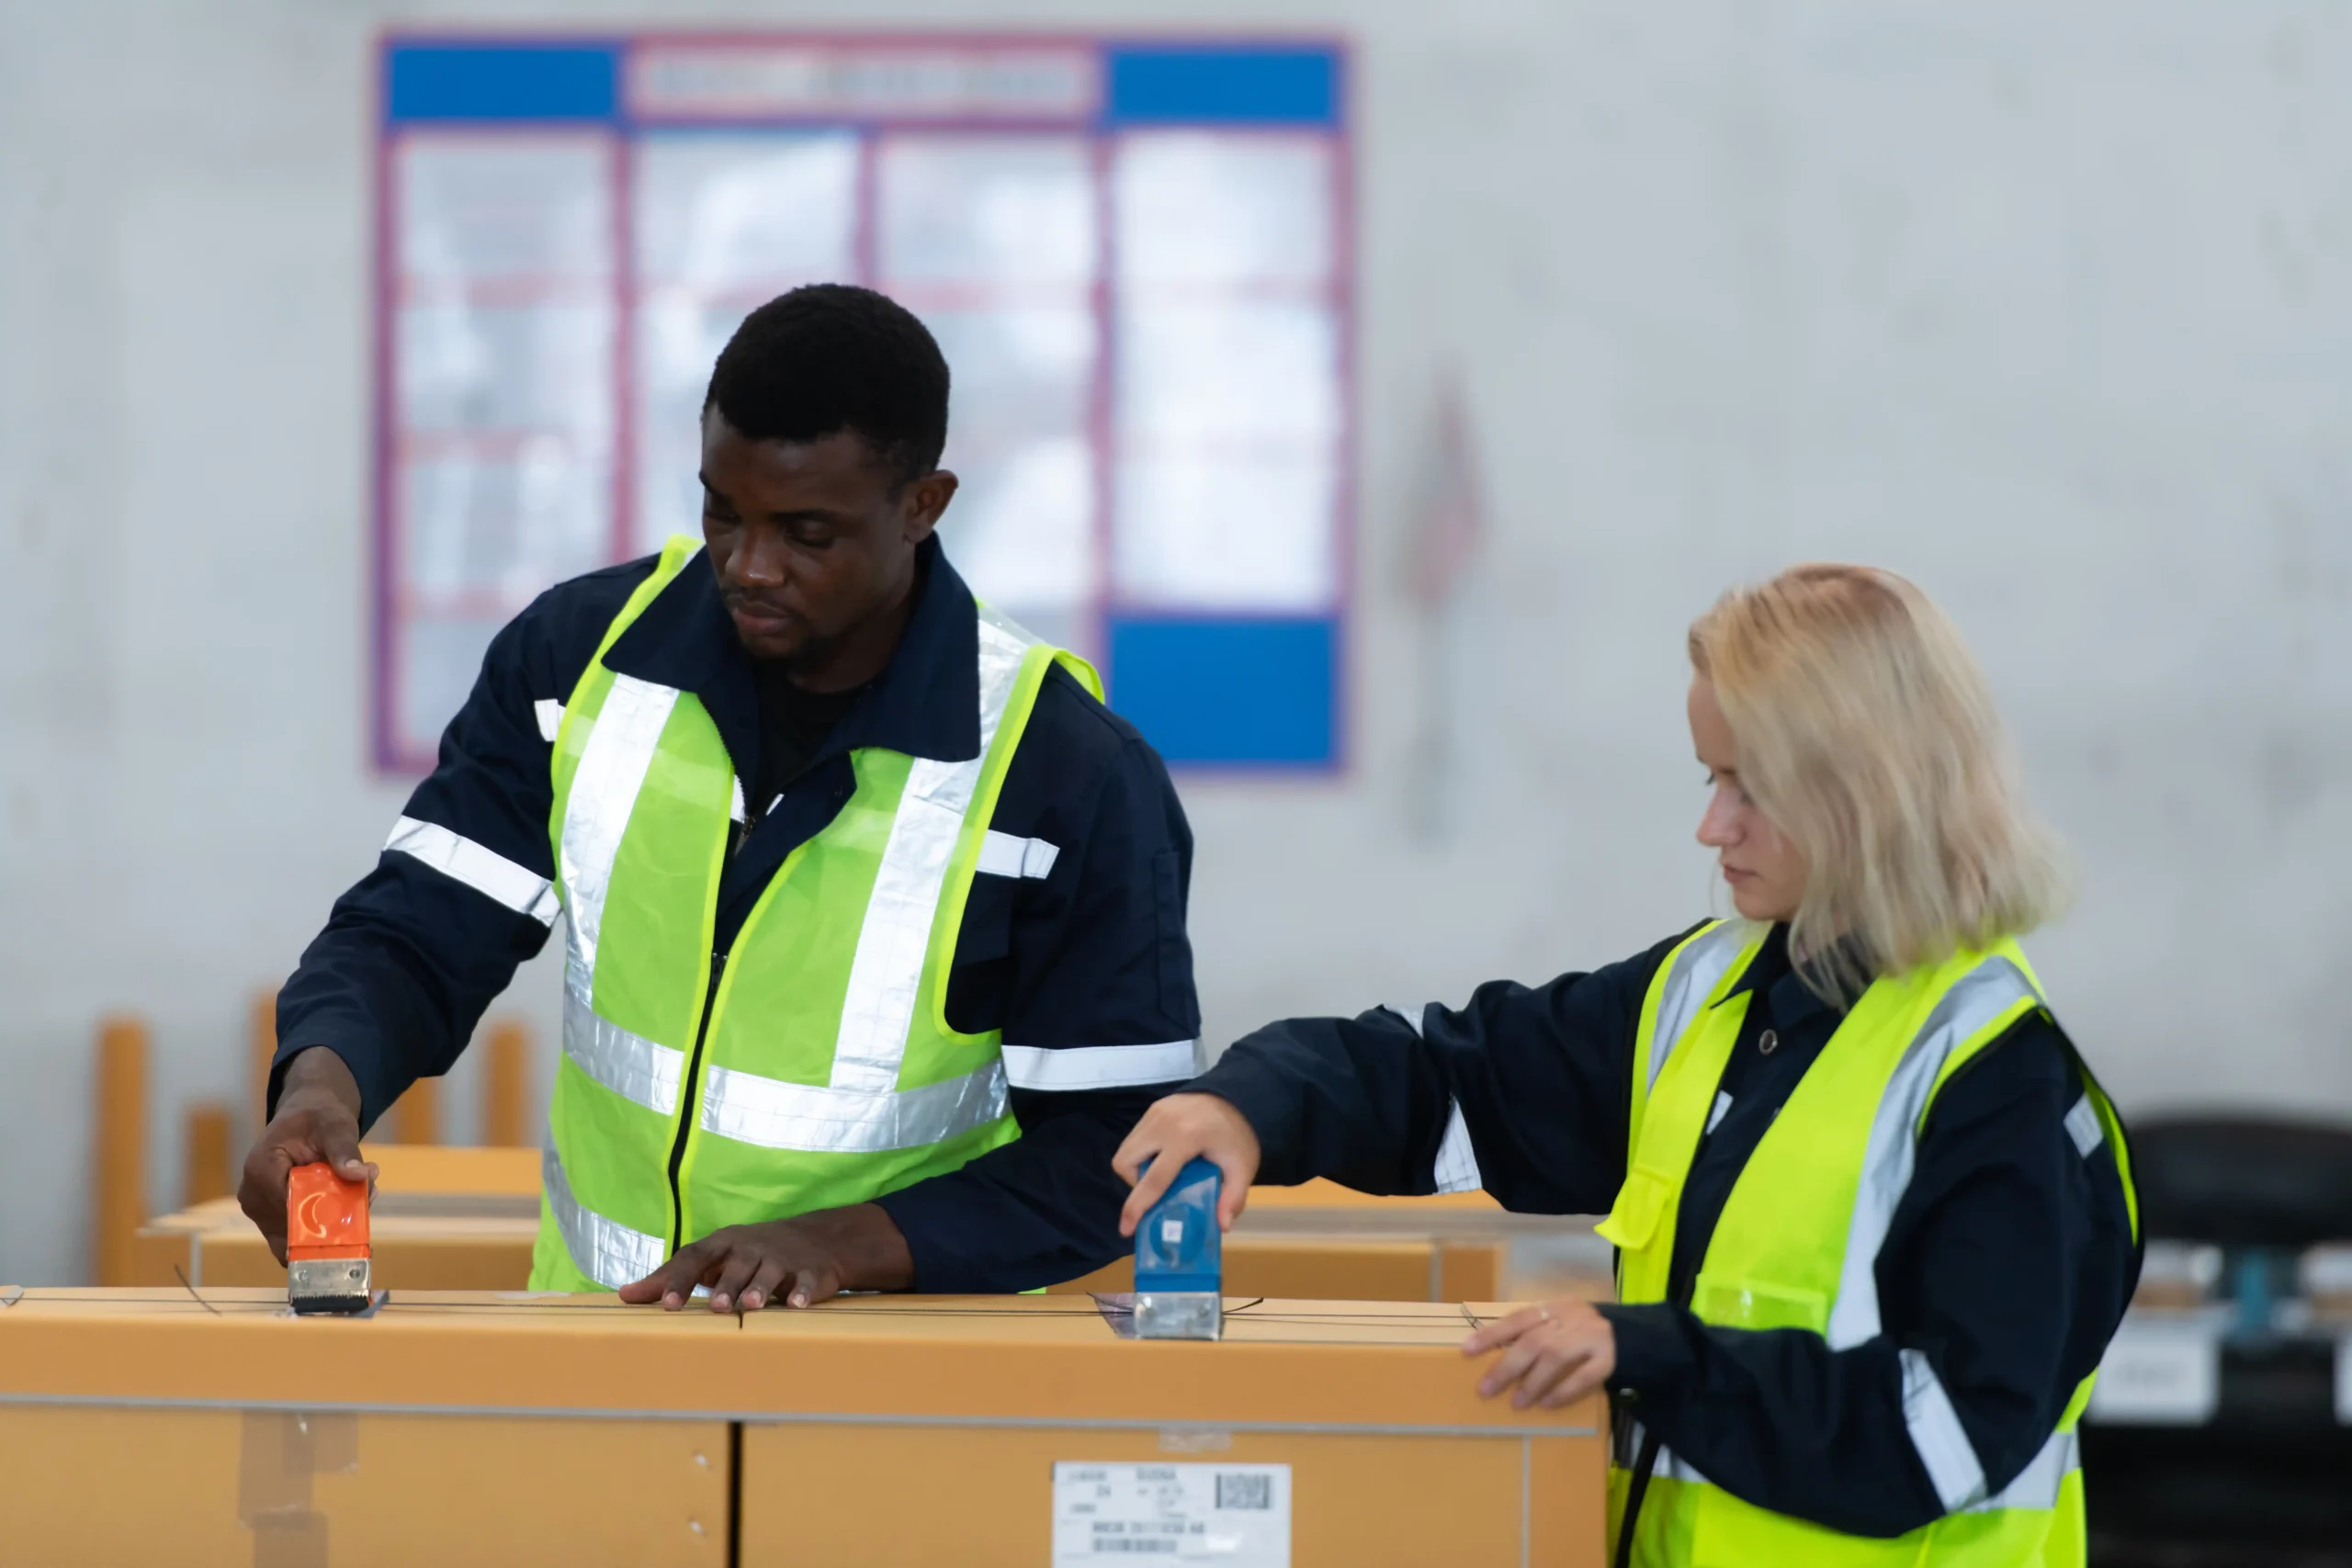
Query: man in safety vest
(874, 914)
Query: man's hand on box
(800, 1262)
(317, 1119)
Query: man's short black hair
(831, 357)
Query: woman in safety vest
(1874, 1215)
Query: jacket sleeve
(2008, 1264)
(461, 892)
(1100, 1019)
(1523, 1091)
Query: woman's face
(1765, 873)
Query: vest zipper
(738, 835)
(688, 1086)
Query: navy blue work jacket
(1087, 963)
(2008, 1263)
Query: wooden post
(119, 1194)
(209, 1169)
(262, 1036)
(417, 1115)
(506, 1117)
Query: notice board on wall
(1135, 256)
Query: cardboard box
(139, 1426)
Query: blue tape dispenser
(1180, 1260)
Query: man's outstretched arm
(391, 990)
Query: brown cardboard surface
(234, 1488)
(1321, 1194)
(1468, 1271)
(841, 1495)
(879, 1429)
(452, 1219)
(567, 1429)
(420, 1167)
(1383, 1364)
(410, 1251)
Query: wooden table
(147, 1426)
(460, 1219)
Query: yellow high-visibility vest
(813, 1064)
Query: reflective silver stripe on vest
(1455, 1166)
(606, 1250)
(1674, 1467)
(1937, 1435)
(630, 1065)
(1068, 1067)
(604, 792)
(817, 1118)
(1001, 854)
(886, 976)
(1981, 996)
(2083, 1126)
(2036, 1485)
(1698, 969)
(484, 869)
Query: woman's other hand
(1176, 1131)
(1556, 1354)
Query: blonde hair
(1868, 736)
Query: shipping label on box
(1237, 1515)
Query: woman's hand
(1559, 1352)
(1175, 1131)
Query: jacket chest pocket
(980, 974)
(987, 933)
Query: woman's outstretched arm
(1521, 1091)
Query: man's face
(809, 539)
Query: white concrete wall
(2049, 304)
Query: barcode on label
(1245, 1491)
(1225, 1514)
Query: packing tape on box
(279, 1452)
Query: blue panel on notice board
(1228, 693)
(1281, 85)
(501, 81)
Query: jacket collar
(926, 702)
(1791, 999)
